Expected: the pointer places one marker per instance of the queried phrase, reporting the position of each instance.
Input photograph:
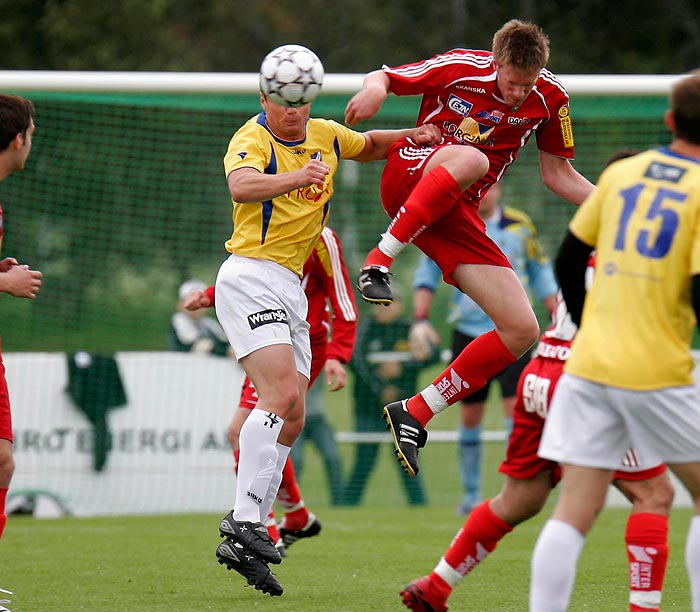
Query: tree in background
(357, 36)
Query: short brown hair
(16, 117)
(521, 44)
(685, 107)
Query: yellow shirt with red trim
(286, 228)
(644, 222)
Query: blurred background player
(487, 104)
(332, 317)
(513, 231)
(643, 221)
(194, 331)
(385, 367)
(319, 432)
(16, 131)
(529, 481)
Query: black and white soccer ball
(291, 75)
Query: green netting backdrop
(124, 197)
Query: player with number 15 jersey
(645, 221)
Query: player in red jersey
(487, 104)
(332, 334)
(530, 479)
(16, 131)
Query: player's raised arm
(379, 141)
(367, 102)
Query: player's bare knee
(524, 335)
(7, 468)
(469, 167)
(653, 495)
(292, 428)
(285, 402)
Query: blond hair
(521, 45)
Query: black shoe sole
(403, 460)
(266, 582)
(289, 537)
(376, 301)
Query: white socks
(692, 562)
(282, 454)
(257, 464)
(553, 567)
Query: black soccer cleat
(235, 557)
(409, 435)
(254, 537)
(289, 536)
(373, 284)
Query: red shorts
(457, 237)
(5, 414)
(535, 389)
(249, 396)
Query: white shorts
(260, 303)
(592, 425)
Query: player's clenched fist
(19, 281)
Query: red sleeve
(341, 298)
(555, 136)
(210, 294)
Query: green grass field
(359, 562)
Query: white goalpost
(231, 83)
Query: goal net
(124, 198)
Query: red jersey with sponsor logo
(461, 97)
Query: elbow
(551, 180)
(236, 194)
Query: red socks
(478, 537)
(647, 551)
(481, 360)
(434, 195)
(289, 495)
(3, 518)
(378, 258)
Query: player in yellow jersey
(628, 381)
(279, 168)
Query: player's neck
(5, 169)
(685, 148)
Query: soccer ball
(291, 75)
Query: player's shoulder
(327, 125)
(514, 218)
(548, 82)
(466, 60)
(254, 128)
(318, 127)
(474, 62)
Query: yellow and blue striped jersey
(286, 228)
(644, 222)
